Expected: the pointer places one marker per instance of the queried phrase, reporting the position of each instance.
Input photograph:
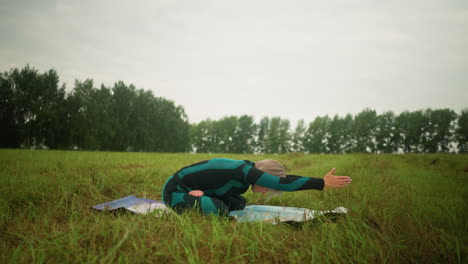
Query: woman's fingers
(343, 177)
(342, 181)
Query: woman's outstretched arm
(296, 183)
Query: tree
(277, 139)
(316, 135)
(28, 110)
(123, 102)
(364, 126)
(273, 137)
(262, 137)
(461, 133)
(141, 122)
(438, 130)
(83, 115)
(9, 134)
(102, 102)
(284, 136)
(27, 94)
(297, 139)
(49, 114)
(170, 126)
(227, 127)
(348, 143)
(386, 135)
(200, 136)
(411, 126)
(244, 135)
(335, 130)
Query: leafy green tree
(335, 135)
(125, 119)
(28, 101)
(227, 135)
(102, 106)
(411, 126)
(297, 137)
(262, 143)
(35, 112)
(59, 137)
(315, 138)
(123, 103)
(364, 126)
(200, 136)
(141, 120)
(10, 132)
(171, 127)
(347, 142)
(461, 133)
(28, 114)
(277, 139)
(386, 134)
(284, 136)
(180, 139)
(244, 135)
(227, 128)
(49, 115)
(439, 129)
(83, 115)
(273, 137)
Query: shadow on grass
(316, 222)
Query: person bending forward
(215, 186)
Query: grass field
(402, 209)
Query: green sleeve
(289, 183)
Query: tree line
(422, 131)
(36, 113)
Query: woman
(215, 186)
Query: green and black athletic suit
(223, 181)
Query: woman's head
(271, 167)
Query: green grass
(402, 209)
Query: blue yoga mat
(125, 202)
(277, 214)
(251, 213)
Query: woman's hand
(332, 181)
(196, 193)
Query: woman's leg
(181, 201)
(235, 202)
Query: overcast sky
(294, 59)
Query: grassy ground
(402, 209)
